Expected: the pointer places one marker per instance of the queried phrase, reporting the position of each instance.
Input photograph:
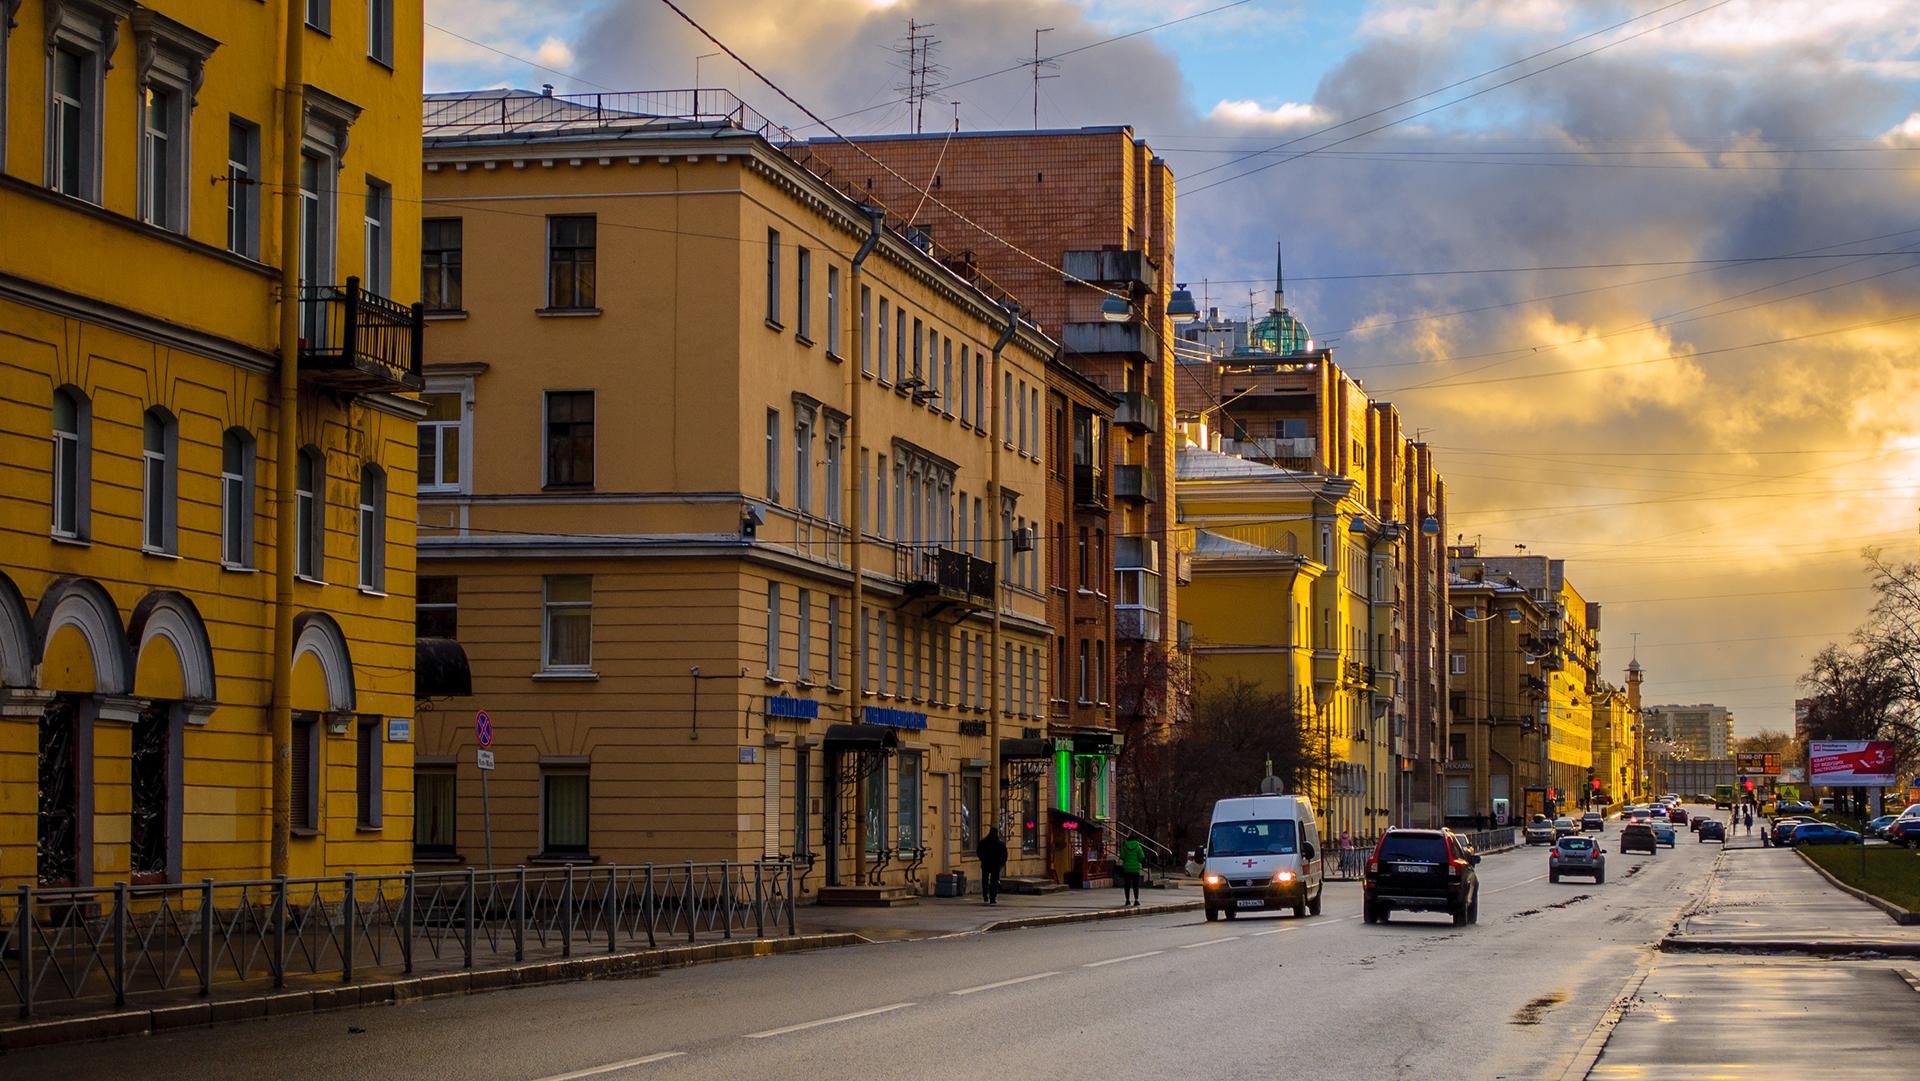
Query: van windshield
(1252, 838)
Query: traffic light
(1749, 785)
(1595, 782)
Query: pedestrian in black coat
(993, 860)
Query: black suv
(1422, 871)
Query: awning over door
(860, 737)
(440, 669)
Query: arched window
(160, 453)
(72, 463)
(236, 498)
(373, 528)
(309, 502)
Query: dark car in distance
(1711, 830)
(1783, 826)
(1593, 822)
(1577, 856)
(1677, 816)
(1421, 871)
(1639, 838)
(1905, 831)
(1821, 833)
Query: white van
(1263, 852)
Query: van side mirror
(1306, 849)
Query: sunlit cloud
(1291, 114)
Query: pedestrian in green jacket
(1133, 859)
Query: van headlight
(1212, 879)
(1283, 878)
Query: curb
(1091, 915)
(138, 1022)
(1899, 915)
(1674, 944)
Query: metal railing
(353, 336)
(84, 948)
(505, 113)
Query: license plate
(1414, 868)
(1251, 904)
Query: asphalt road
(1517, 996)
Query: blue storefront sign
(793, 709)
(896, 718)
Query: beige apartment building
(730, 493)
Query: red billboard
(1855, 763)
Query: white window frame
(243, 189)
(548, 609)
(159, 482)
(833, 311)
(310, 515)
(803, 295)
(377, 238)
(773, 630)
(433, 431)
(833, 640)
(803, 635)
(380, 32)
(866, 330)
(90, 52)
(775, 436)
(72, 482)
(169, 58)
(373, 529)
(324, 140)
(319, 15)
(236, 500)
(833, 477)
(803, 461)
(773, 276)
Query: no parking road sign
(483, 728)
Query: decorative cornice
(127, 321)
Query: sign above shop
(896, 718)
(792, 709)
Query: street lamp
(1181, 309)
(1115, 309)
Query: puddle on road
(1532, 1012)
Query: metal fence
(1350, 864)
(96, 947)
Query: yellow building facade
(731, 498)
(142, 157)
(1278, 596)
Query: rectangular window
(436, 609)
(571, 259)
(1006, 407)
(73, 133)
(377, 277)
(876, 810)
(380, 31)
(881, 654)
(900, 346)
(773, 630)
(433, 811)
(970, 791)
(833, 640)
(946, 377)
(441, 252)
(1457, 665)
(304, 755)
(866, 330)
(832, 479)
(440, 437)
(773, 276)
(243, 188)
(310, 476)
(908, 793)
(773, 456)
(803, 293)
(1030, 817)
(880, 339)
(367, 775)
(919, 354)
(833, 311)
(866, 649)
(980, 394)
(568, 623)
(569, 442)
(1100, 670)
(236, 499)
(803, 623)
(1021, 399)
(160, 142)
(966, 397)
(158, 448)
(880, 496)
(563, 811)
(803, 464)
(316, 239)
(1086, 673)
(373, 529)
(320, 15)
(154, 807)
(802, 800)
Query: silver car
(1577, 856)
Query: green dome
(1280, 333)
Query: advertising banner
(1850, 763)
(1758, 763)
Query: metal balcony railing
(952, 576)
(355, 341)
(92, 949)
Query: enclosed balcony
(1137, 482)
(1111, 339)
(1128, 267)
(356, 342)
(938, 578)
(1136, 624)
(1138, 412)
(1090, 485)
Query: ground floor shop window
(59, 837)
(368, 774)
(1030, 817)
(563, 812)
(909, 795)
(433, 809)
(306, 772)
(876, 807)
(802, 767)
(970, 784)
(152, 803)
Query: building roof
(1198, 463)
(1212, 545)
(508, 114)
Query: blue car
(1821, 833)
(1663, 834)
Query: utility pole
(1039, 65)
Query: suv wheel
(1553, 877)
(1313, 906)
(1212, 913)
(1473, 908)
(1460, 915)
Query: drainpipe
(287, 393)
(856, 486)
(995, 438)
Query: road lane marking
(1275, 931)
(1117, 960)
(855, 1016)
(1517, 885)
(1003, 983)
(1208, 942)
(594, 1071)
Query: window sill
(775, 681)
(567, 313)
(369, 591)
(587, 487)
(835, 357)
(303, 831)
(437, 857)
(803, 340)
(385, 62)
(448, 314)
(309, 580)
(237, 568)
(549, 675)
(775, 324)
(557, 859)
(362, 827)
(77, 542)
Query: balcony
(356, 342)
(1114, 339)
(1138, 412)
(1090, 485)
(938, 578)
(1133, 553)
(1296, 452)
(1134, 623)
(1137, 482)
(1129, 267)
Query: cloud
(1406, 18)
(1291, 114)
(1904, 134)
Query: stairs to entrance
(1029, 884)
(866, 896)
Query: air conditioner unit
(1023, 539)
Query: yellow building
(731, 498)
(147, 451)
(1497, 635)
(1614, 719)
(1278, 596)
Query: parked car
(1905, 831)
(1421, 871)
(1593, 822)
(1262, 852)
(1785, 825)
(1564, 827)
(1540, 831)
(1821, 833)
(1795, 807)
(1677, 816)
(1827, 804)
(1878, 827)
(1639, 838)
(1577, 856)
(1664, 834)
(1711, 830)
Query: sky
(1708, 411)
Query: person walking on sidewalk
(993, 860)
(1749, 821)
(1133, 859)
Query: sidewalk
(935, 917)
(1770, 900)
